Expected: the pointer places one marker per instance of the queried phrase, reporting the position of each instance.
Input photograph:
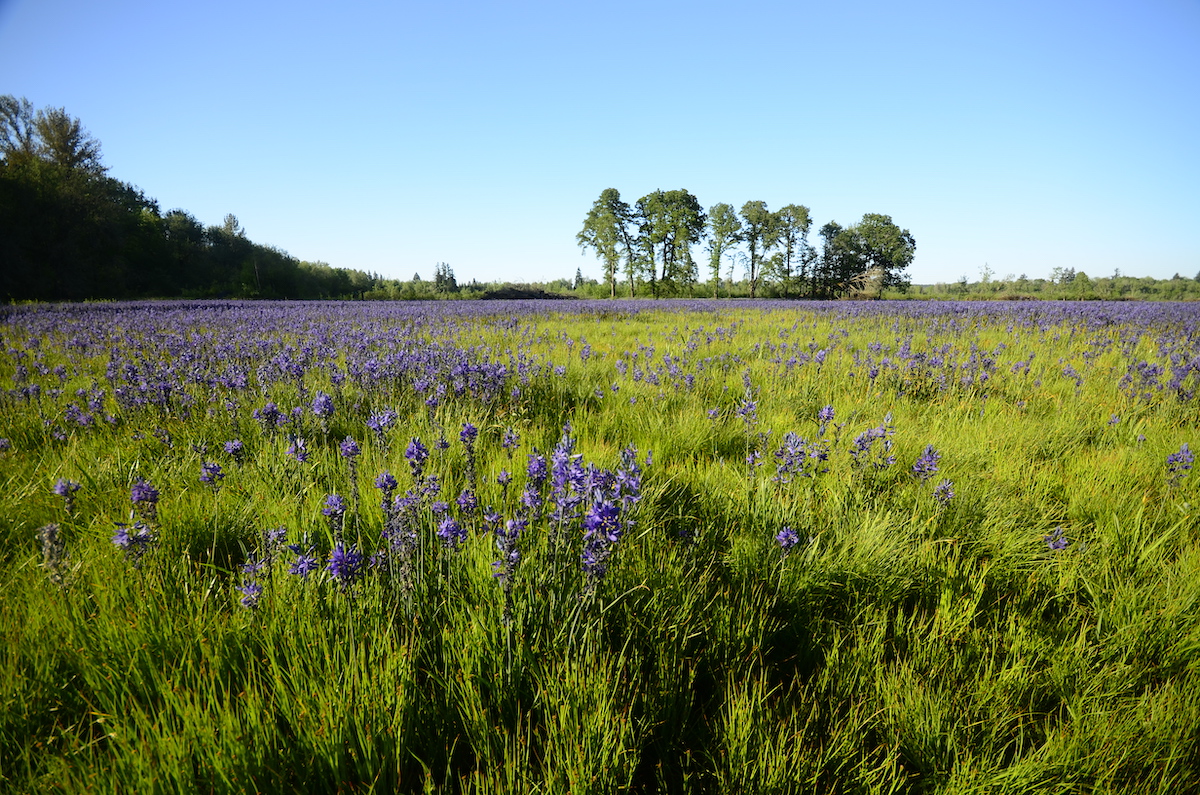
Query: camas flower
(417, 454)
(468, 434)
(134, 541)
(145, 500)
(787, 539)
(380, 422)
(235, 448)
(1178, 464)
(386, 483)
(211, 474)
(346, 564)
(305, 565)
(65, 488)
(1056, 540)
(927, 464)
(322, 405)
(943, 492)
(451, 533)
(251, 592)
(334, 506)
(298, 449)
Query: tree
(443, 279)
(649, 213)
(887, 247)
(793, 225)
(760, 233)
(18, 132)
(669, 222)
(232, 227)
(839, 262)
(605, 229)
(64, 142)
(684, 222)
(725, 231)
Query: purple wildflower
(322, 406)
(211, 474)
(334, 505)
(1178, 464)
(380, 422)
(251, 592)
(536, 469)
(270, 417)
(510, 441)
(145, 500)
(66, 489)
(349, 448)
(387, 484)
(927, 464)
(305, 565)
(467, 503)
(824, 417)
(235, 448)
(346, 564)
(787, 539)
(468, 434)
(943, 492)
(335, 509)
(298, 449)
(134, 541)
(1056, 540)
(864, 453)
(451, 533)
(417, 454)
(505, 569)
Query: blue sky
(391, 136)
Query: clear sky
(389, 136)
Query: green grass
(902, 646)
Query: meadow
(600, 546)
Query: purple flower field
(644, 544)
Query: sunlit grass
(905, 644)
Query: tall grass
(901, 642)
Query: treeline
(1064, 284)
(69, 231)
(647, 247)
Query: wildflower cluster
(927, 464)
(66, 489)
(797, 457)
(864, 451)
(134, 540)
(1178, 465)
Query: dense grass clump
(600, 547)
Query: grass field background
(650, 547)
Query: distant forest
(71, 232)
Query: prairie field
(600, 546)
